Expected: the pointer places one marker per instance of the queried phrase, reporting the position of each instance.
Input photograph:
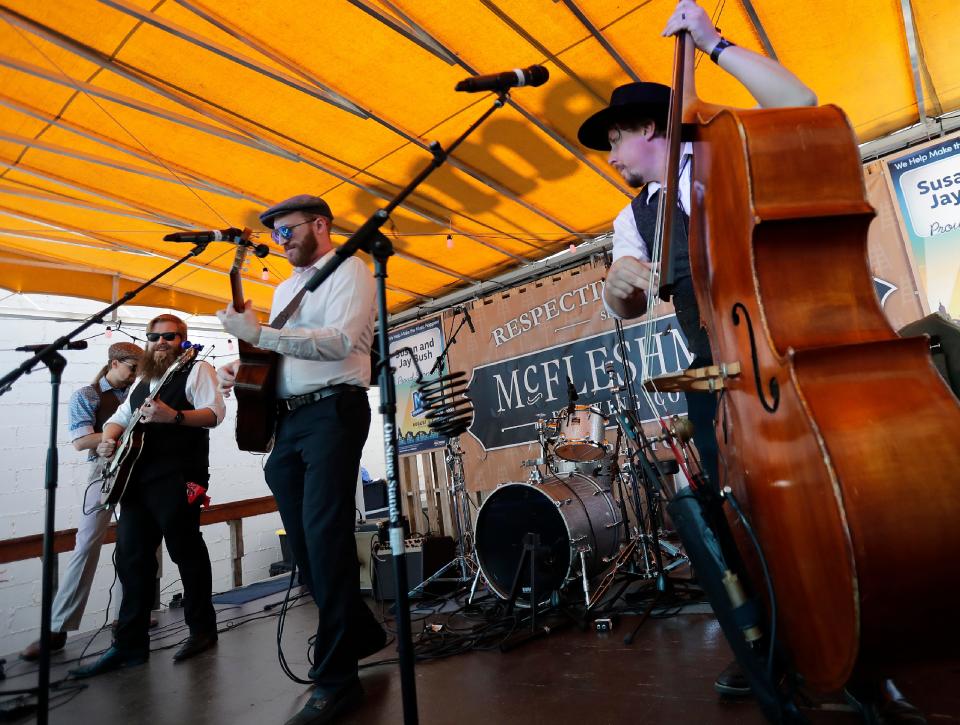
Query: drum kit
(576, 507)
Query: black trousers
(151, 511)
(701, 410)
(312, 473)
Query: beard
(154, 363)
(303, 255)
(634, 180)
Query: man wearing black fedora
(633, 129)
(323, 420)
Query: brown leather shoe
(58, 640)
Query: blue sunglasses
(284, 233)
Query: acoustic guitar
(255, 386)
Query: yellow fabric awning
(121, 120)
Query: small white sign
(932, 194)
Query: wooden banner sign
(529, 342)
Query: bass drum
(571, 516)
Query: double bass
(839, 438)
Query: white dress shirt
(327, 340)
(201, 390)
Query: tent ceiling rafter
(246, 103)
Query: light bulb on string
(265, 275)
(108, 333)
(449, 241)
(573, 247)
(229, 345)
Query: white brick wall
(24, 417)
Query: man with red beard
(155, 505)
(323, 422)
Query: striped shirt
(83, 410)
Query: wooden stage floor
(572, 676)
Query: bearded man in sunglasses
(323, 422)
(158, 503)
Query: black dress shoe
(325, 708)
(112, 659)
(732, 682)
(881, 703)
(195, 644)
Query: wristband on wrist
(721, 45)
(178, 419)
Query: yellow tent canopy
(122, 120)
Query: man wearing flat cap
(90, 407)
(322, 424)
(632, 128)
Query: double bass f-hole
(773, 384)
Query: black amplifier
(424, 557)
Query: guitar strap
(287, 312)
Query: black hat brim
(594, 132)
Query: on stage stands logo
(508, 394)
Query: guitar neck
(236, 281)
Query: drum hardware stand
(465, 560)
(450, 415)
(648, 478)
(532, 550)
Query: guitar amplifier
(424, 557)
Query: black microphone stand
(370, 239)
(56, 364)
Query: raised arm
(769, 82)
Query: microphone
(572, 395)
(535, 75)
(468, 320)
(217, 235)
(76, 345)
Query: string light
(108, 333)
(573, 247)
(229, 345)
(449, 241)
(265, 275)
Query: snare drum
(581, 434)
